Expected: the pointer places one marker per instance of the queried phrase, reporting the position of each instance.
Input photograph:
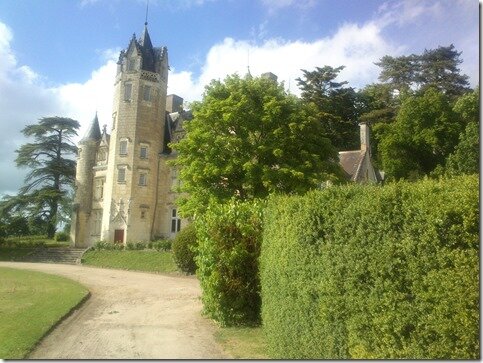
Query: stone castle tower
(123, 184)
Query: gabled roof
(351, 162)
(94, 132)
(174, 124)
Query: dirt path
(130, 315)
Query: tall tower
(138, 121)
(86, 159)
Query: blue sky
(58, 57)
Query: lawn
(20, 248)
(30, 305)
(144, 260)
(243, 343)
(14, 253)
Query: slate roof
(147, 50)
(94, 131)
(174, 124)
(351, 162)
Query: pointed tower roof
(94, 131)
(147, 50)
(145, 39)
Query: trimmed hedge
(229, 237)
(184, 247)
(373, 272)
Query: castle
(124, 187)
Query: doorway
(119, 236)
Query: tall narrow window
(143, 179)
(123, 147)
(97, 221)
(127, 91)
(99, 188)
(114, 120)
(147, 93)
(121, 175)
(143, 153)
(175, 221)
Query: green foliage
(466, 157)
(184, 249)
(135, 246)
(435, 68)
(337, 105)
(61, 237)
(161, 245)
(424, 134)
(248, 139)
(102, 245)
(367, 272)
(135, 260)
(17, 225)
(229, 237)
(52, 171)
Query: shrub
(135, 246)
(161, 245)
(62, 237)
(366, 272)
(184, 249)
(229, 246)
(102, 245)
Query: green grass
(30, 241)
(30, 304)
(243, 343)
(144, 260)
(15, 253)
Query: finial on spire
(147, 7)
(248, 62)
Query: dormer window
(131, 64)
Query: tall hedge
(373, 272)
(229, 237)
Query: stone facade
(123, 183)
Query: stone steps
(65, 255)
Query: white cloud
(24, 99)
(80, 101)
(356, 47)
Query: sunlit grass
(30, 304)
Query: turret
(136, 141)
(86, 159)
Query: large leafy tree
(424, 134)
(466, 157)
(435, 68)
(52, 173)
(336, 105)
(249, 138)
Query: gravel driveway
(130, 315)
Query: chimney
(174, 103)
(365, 141)
(269, 75)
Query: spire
(145, 40)
(94, 132)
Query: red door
(119, 236)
